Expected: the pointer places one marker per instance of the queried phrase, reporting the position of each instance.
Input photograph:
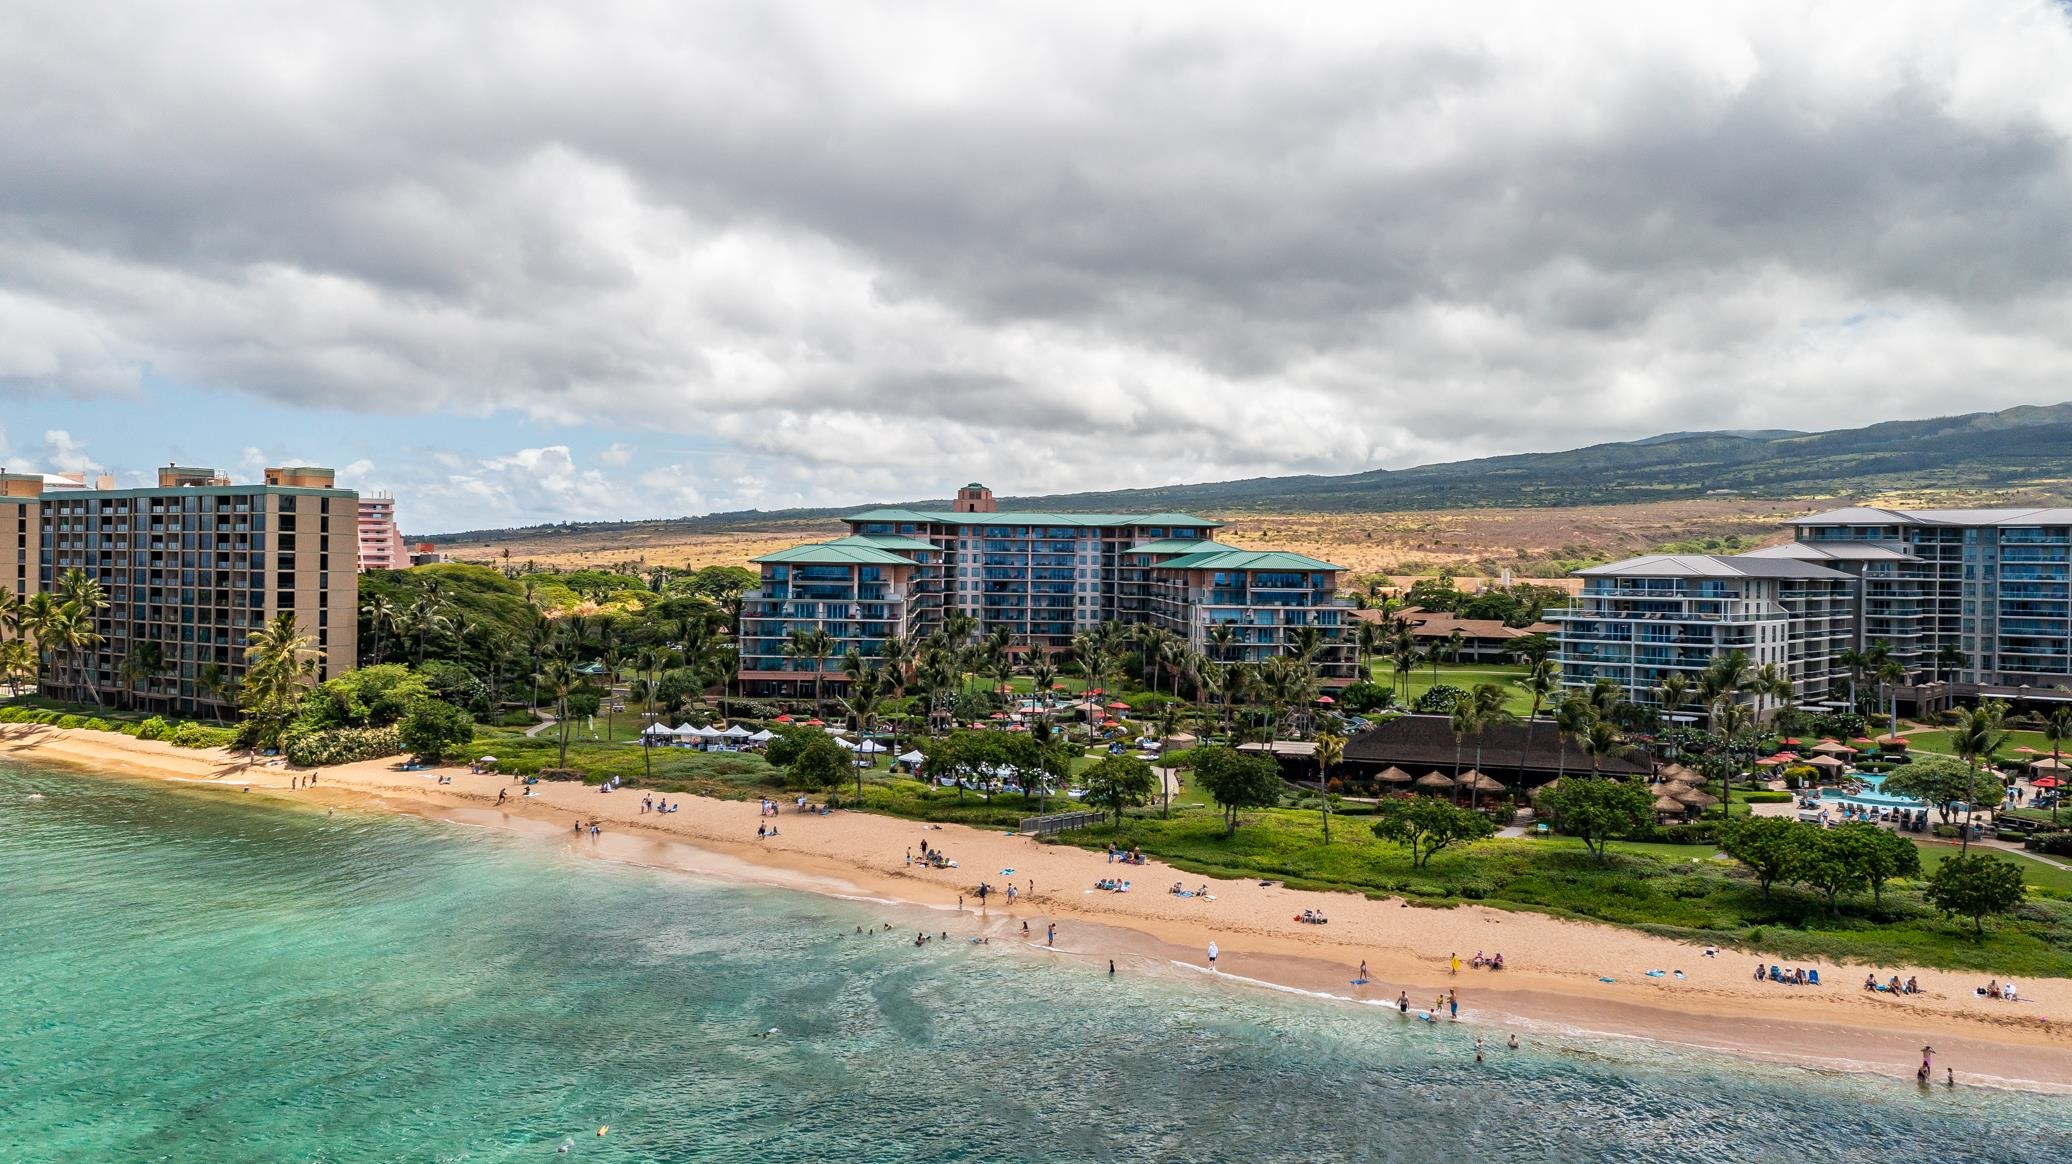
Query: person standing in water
(1050, 936)
(1212, 955)
(1478, 1048)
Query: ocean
(192, 976)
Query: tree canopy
(1236, 780)
(1427, 824)
(1119, 782)
(1945, 783)
(1975, 885)
(1595, 809)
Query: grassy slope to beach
(1683, 891)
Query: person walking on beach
(1050, 937)
(1363, 971)
(1212, 955)
(1456, 963)
(502, 794)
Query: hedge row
(181, 735)
(341, 746)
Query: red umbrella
(1325, 699)
(783, 719)
(1789, 743)
(1118, 707)
(1057, 687)
(999, 715)
(816, 723)
(2045, 782)
(2026, 751)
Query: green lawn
(2036, 873)
(1464, 675)
(1659, 888)
(1938, 741)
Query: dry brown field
(1468, 543)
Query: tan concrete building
(190, 568)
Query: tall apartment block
(381, 545)
(1976, 596)
(190, 567)
(1640, 621)
(1043, 576)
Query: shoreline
(1554, 966)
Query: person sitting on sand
(1497, 963)
(1870, 982)
(2007, 992)
(1913, 986)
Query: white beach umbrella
(845, 743)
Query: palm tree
(1722, 680)
(1951, 657)
(1891, 673)
(1330, 750)
(1975, 740)
(1462, 721)
(379, 614)
(2057, 729)
(1600, 741)
(1572, 717)
(280, 659)
(1487, 704)
(1673, 691)
(17, 663)
(212, 683)
(815, 644)
(1771, 681)
(145, 662)
(860, 708)
(560, 678)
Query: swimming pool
(1873, 795)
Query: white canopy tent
(871, 746)
(913, 757)
(684, 729)
(762, 737)
(658, 729)
(736, 732)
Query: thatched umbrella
(1693, 797)
(1435, 779)
(1394, 775)
(1665, 806)
(1673, 770)
(1477, 781)
(2046, 764)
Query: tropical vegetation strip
(558, 676)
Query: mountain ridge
(2024, 447)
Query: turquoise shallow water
(189, 976)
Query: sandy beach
(1555, 976)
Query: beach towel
(1656, 974)
(1607, 980)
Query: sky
(535, 262)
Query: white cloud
(1058, 247)
(63, 454)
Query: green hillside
(2025, 448)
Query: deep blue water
(189, 976)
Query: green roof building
(1044, 576)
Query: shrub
(1767, 796)
(1439, 699)
(195, 735)
(560, 773)
(2056, 843)
(70, 722)
(1697, 832)
(155, 728)
(2012, 835)
(339, 746)
(1948, 832)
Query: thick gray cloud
(890, 247)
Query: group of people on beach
(1910, 986)
(2000, 991)
(648, 803)
(592, 827)
(1799, 976)
(1129, 857)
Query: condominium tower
(381, 546)
(1978, 597)
(1042, 576)
(190, 568)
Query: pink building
(381, 546)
